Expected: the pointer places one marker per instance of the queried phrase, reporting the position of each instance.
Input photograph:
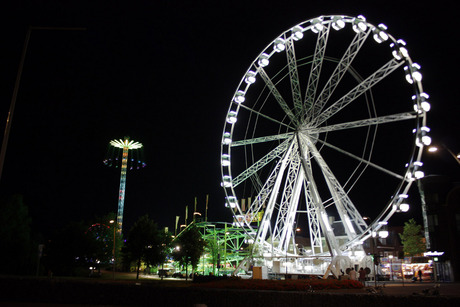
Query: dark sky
(163, 73)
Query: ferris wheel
(325, 129)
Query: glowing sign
(433, 254)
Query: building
(442, 197)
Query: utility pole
(9, 119)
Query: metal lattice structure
(226, 247)
(307, 141)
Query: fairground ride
(127, 163)
(226, 247)
(327, 124)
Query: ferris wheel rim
(238, 98)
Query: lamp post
(402, 272)
(431, 149)
(374, 243)
(380, 234)
(113, 248)
(9, 119)
(424, 214)
(391, 267)
(434, 255)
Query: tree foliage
(70, 251)
(212, 249)
(104, 233)
(189, 247)
(145, 243)
(412, 239)
(80, 245)
(15, 237)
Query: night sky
(163, 73)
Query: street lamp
(113, 248)
(455, 156)
(377, 234)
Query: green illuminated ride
(226, 247)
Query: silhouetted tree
(71, 249)
(189, 246)
(104, 233)
(145, 243)
(17, 255)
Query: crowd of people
(360, 275)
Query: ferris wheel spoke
(316, 207)
(340, 70)
(254, 168)
(266, 219)
(287, 234)
(367, 162)
(364, 86)
(263, 194)
(362, 123)
(294, 78)
(277, 94)
(262, 139)
(352, 221)
(315, 71)
(266, 116)
(313, 220)
(290, 196)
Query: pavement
(445, 289)
(405, 289)
(397, 288)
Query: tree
(15, 239)
(80, 245)
(145, 243)
(412, 238)
(68, 250)
(189, 247)
(103, 231)
(213, 250)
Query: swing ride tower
(124, 146)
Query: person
(341, 276)
(352, 274)
(420, 275)
(362, 276)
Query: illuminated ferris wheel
(325, 128)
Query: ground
(125, 290)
